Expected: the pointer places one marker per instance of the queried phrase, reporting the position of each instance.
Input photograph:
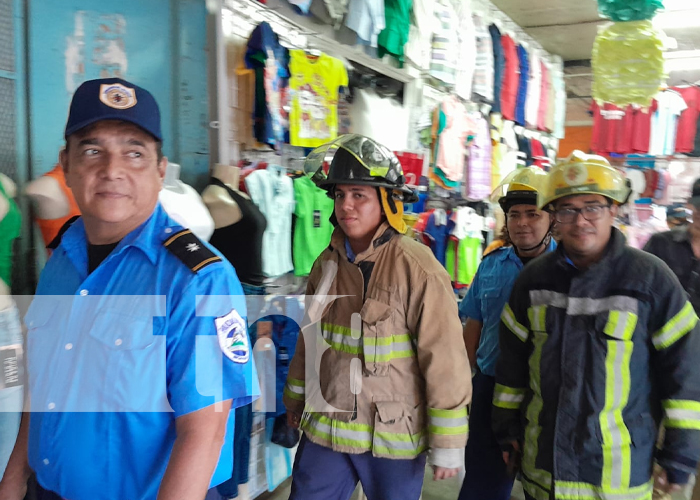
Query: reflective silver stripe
(548, 298)
(578, 306)
(510, 398)
(449, 422)
(538, 319)
(583, 490)
(585, 306)
(385, 439)
(681, 414)
(353, 435)
(679, 325)
(295, 389)
(339, 338)
(385, 350)
(508, 317)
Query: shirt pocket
(616, 325)
(377, 329)
(132, 356)
(492, 304)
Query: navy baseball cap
(113, 99)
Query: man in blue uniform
(137, 345)
(528, 229)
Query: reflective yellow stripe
(621, 325)
(508, 398)
(534, 490)
(682, 414)
(394, 339)
(363, 436)
(566, 490)
(542, 478)
(296, 382)
(508, 318)
(340, 338)
(448, 422)
(292, 394)
(676, 328)
(617, 458)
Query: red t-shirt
(608, 125)
(641, 129)
(688, 121)
(511, 78)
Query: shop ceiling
(569, 27)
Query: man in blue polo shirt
(528, 229)
(137, 345)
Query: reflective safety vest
(592, 362)
(380, 365)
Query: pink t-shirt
(453, 139)
(544, 98)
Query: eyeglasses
(590, 212)
(527, 216)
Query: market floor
(432, 490)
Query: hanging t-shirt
(269, 59)
(532, 108)
(499, 63)
(467, 52)
(438, 229)
(544, 97)
(483, 69)
(10, 229)
(525, 149)
(641, 128)
(664, 123)
(453, 139)
(273, 192)
(395, 35)
(366, 18)
(420, 34)
(687, 124)
(445, 44)
(313, 229)
(523, 82)
(559, 102)
(462, 259)
(315, 82)
(511, 78)
(479, 167)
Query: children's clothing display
(273, 192)
(315, 82)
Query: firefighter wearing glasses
(599, 347)
(391, 378)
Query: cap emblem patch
(117, 96)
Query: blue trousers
(486, 475)
(323, 474)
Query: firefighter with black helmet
(380, 376)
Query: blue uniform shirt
(116, 356)
(486, 298)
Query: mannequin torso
(184, 205)
(223, 209)
(49, 199)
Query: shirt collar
(509, 252)
(157, 227)
(348, 251)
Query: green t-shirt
(313, 229)
(10, 228)
(468, 259)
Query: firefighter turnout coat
(592, 362)
(380, 364)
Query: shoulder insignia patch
(57, 240)
(190, 250)
(233, 340)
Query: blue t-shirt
(438, 235)
(522, 85)
(486, 298)
(499, 65)
(115, 356)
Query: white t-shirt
(366, 18)
(420, 35)
(184, 205)
(273, 192)
(664, 123)
(467, 52)
(534, 88)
